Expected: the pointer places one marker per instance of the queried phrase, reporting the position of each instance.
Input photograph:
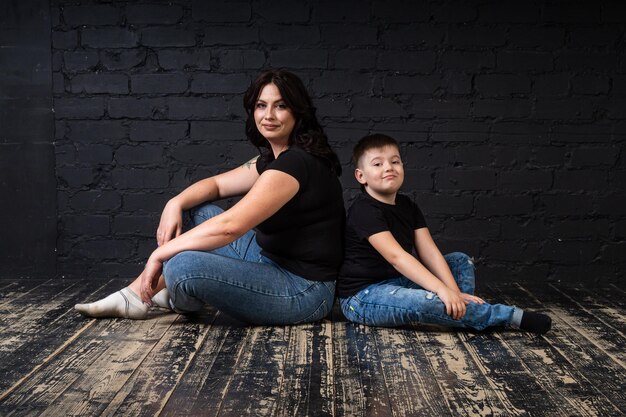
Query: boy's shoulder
(365, 199)
(362, 203)
(365, 204)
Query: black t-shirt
(362, 264)
(306, 235)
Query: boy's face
(380, 170)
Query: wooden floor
(54, 362)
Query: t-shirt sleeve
(366, 219)
(291, 162)
(261, 165)
(418, 217)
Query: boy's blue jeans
(400, 301)
(241, 282)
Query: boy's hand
(469, 298)
(455, 304)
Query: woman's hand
(455, 304)
(469, 298)
(171, 223)
(149, 279)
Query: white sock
(162, 299)
(123, 303)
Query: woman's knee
(175, 272)
(176, 267)
(204, 212)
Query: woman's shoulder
(295, 151)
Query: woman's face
(273, 118)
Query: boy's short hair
(375, 141)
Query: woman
(283, 272)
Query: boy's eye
(377, 164)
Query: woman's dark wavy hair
(307, 133)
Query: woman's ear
(360, 176)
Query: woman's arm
(272, 190)
(410, 267)
(235, 182)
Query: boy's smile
(381, 172)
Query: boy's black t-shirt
(362, 264)
(306, 235)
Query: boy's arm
(410, 267)
(432, 258)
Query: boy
(382, 284)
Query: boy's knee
(459, 258)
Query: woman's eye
(260, 105)
(282, 106)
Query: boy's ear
(360, 176)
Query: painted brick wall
(28, 218)
(511, 117)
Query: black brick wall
(511, 117)
(27, 179)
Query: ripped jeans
(400, 301)
(241, 282)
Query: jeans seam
(394, 308)
(213, 278)
(313, 314)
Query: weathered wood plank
(607, 305)
(565, 359)
(34, 317)
(349, 398)
(464, 387)
(360, 387)
(412, 387)
(63, 364)
(13, 289)
(18, 305)
(253, 390)
(615, 295)
(201, 389)
(509, 377)
(150, 387)
(86, 376)
(602, 333)
(29, 342)
(306, 386)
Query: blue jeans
(241, 282)
(400, 301)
